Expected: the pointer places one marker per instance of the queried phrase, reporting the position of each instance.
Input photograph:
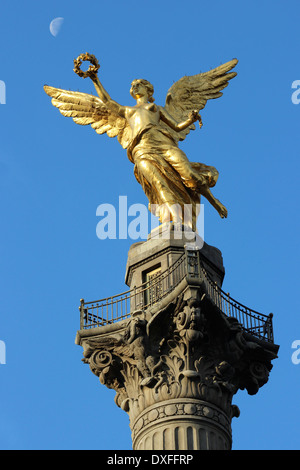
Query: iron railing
(119, 307)
(253, 322)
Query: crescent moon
(56, 25)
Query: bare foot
(222, 211)
(205, 191)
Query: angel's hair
(149, 86)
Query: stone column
(182, 424)
(177, 364)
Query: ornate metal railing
(253, 322)
(119, 307)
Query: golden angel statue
(151, 134)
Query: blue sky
(54, 174)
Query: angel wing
(87, 109)
(192, 92)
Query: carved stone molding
(183, 366)
(182, 424)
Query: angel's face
(138, 89)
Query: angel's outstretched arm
(106, 99)
(170, 121)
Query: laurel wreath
(93, 68)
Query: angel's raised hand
(194, 115)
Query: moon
(56, 25)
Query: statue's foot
(222, 210)
(205, 191)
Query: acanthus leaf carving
(186, 355)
